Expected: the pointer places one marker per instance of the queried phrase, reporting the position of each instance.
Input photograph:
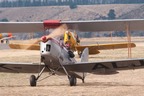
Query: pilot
(70, 52)
(67, 45)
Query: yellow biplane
(73, 40)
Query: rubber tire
(33, 80)
(72, 80)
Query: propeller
(56, 33)
(59, 31)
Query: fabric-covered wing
(83, 26)
(21, 27)
(19, 67)
(106, 66)
(106, 25)
(95, 47)
(25, 46)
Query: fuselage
(3, 35)
(54, 54)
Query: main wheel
(33, 80)
(72, 80)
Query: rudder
(84, 56)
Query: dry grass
(129, 83)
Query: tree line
(27, 3)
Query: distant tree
(4, 20)
(73, 5)
(111, 14)
(87, 34)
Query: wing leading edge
(83, 26)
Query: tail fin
(84, 56)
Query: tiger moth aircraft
(56, 58)
(73, 40)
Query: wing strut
(129, 39)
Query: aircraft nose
(44, 39)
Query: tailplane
(84, 56)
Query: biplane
(58, 59)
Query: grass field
(126, 83)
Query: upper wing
(20, 67)
(106, 66)
(93, 49)
(106, 25)
(84, 26)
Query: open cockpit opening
(48, 47)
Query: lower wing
(25, 46)
(20, 67)
(106, 66)
(93, 49)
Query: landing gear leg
(72, 78)
(79, 53)
(83, 81)
(33, 78)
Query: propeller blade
(56, 33)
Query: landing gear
(79, 53)
(72, 80)
(33, 80)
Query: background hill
(82, 12)
(71, 3)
